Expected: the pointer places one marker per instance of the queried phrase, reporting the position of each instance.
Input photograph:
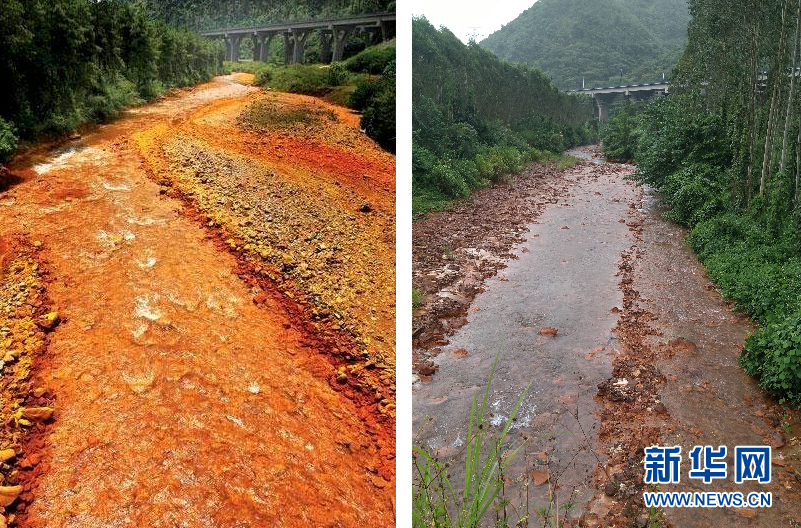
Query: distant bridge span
(602, 97)
(333, 35)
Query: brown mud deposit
(453, 251)
(206, 283)
(685, 341)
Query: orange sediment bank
(26, 315)
(310, 207)
(193, 368)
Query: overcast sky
(467, 16)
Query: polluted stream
(193, 383)
(645, 352)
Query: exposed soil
(226, 349)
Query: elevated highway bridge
(602, 97)
(332, 34)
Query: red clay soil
(204, 372)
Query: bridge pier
(288, 48)
(266, 39)
(299, 51)
(602, 111)
(326, 38)
(341, 35)
(232, 43)
(258, 40)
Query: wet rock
(774, 440)
(259, 298)
(548, 331)
(611, 488)
(9, 494)
(37, 414)
(427, 368)
(48, 321)
(683, 344)
(539, 477)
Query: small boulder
(9, 494)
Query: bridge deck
(363, 20)
(663, 86)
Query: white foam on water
(145, 310)
(112, 239)
(144, 221)
(70, 155)
(111, 187)
(149, 262)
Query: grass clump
(266, 115)
(417, 299)
(342, 83)
(435, 502)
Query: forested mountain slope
(594, 40)
(476, 118)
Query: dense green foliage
(67, 61)
(620, 135)
(8, 140)
(476, 118)
(727, 158)
(348, 83)
(594, 40)
(213, 14)
(374, 59)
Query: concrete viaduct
(602, 97)
(333, 35)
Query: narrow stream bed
(566, 276)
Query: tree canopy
(67, 61)
(475, 117)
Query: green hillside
(596, 39)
